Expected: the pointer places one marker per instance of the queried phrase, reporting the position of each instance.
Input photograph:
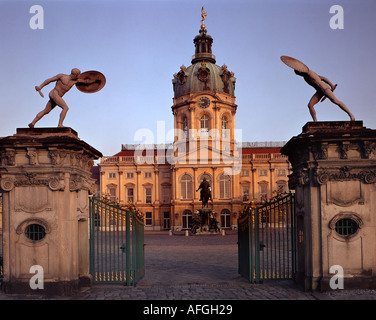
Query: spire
(203, 43)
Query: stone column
(334, 177)
(45, 181)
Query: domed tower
(204, 101)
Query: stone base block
(58, 288)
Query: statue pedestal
(45, 181)
(205, 228)
(334, 177)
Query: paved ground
(198, 268)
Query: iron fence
(116, 244)
(266, 241)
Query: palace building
(161, 180)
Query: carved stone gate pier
(334, 177)
(45, 182)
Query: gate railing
(1, 237)
(116, 244)
(266, 241)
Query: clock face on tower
(204, 102)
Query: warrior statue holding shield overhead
(88, 82)
(324, 88)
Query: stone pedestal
(207, 224)
(45, 181)
(334, 177)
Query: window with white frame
(112, 192)
(187, 219)
(129, 175)
(263, 188)
(225, 130)
(186, 187)
(263, 172)
(245, 193)
(111, 175)
(204, 125)
(224, 187)
(244, 173)
(225, 218)
(147, 174)
(166, 174)
(130, 195)
(148, 195)
(148, 219)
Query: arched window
(207, 176)
(225, 218)
(204, 125)
(224, 187)
(186, 186)
(187, 219)
(225, 131)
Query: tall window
(112, 192)
(187, 219)
(185, 127)
(263, 190)
(186, 187)
(166, 220)
(224, 187)
(130, 195)
(225, 133)
(225, 219)
(148, 218)
(166, 194)
(204, 125)
(147, 195)
(245, 193)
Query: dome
(203, 74)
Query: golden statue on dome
(203, 15)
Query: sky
(139, 45)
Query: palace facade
(162, 179)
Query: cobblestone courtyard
(198, 268)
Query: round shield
(294, 63)
(90, 81)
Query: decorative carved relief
(344, 148)
(344, 193)
(32, 199)
(345, 174)
(7, 184)
(299, 178)
(9, 157)
(55, 183)
(33, 156)
(21, 227)
(53, 154)
(369, 149)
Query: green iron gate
(116, 244)
(266, 241)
